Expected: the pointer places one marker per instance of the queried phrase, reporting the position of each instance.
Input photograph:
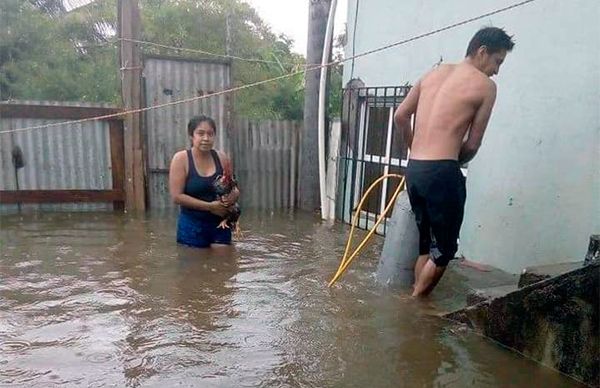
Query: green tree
(201, 25)
(47, 53)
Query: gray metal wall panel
(69, 156)
(263, 153)
(167, 80)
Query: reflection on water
(110, 300)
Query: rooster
(225, 184)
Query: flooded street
(98, 300)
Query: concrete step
(554, 321)
(479, 295)
(462, 278)
(534, 274)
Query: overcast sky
(291, 18)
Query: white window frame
(370, 218)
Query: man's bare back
(449, 102)
(450, 96)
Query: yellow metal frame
(346, 260)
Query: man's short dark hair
(494, 38)
(197, 120)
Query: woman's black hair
(197, 120)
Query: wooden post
(229, 98)
(296, 129)
(228, 32)
(309, 198)
(131, 69)
(117, 159)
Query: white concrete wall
(534, 188)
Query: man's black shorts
(437, 193)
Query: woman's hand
(230, 198)
(218, 208)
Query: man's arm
(403, 114)
(480, 121)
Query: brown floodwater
(101, 299)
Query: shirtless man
(449, 102)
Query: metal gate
(371, 146)
(168, 79)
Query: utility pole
(228, 32)
(309, 198)
(129, 28)
(229, 97)
(323, 87)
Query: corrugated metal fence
(69, 156)
(265, 158)
(80, 156)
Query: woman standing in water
(191, 184)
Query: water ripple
(100, 357)
(14, 346)
(21, 376)
(118, 292)
(26, 264)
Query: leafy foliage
(50, 53)
(46, 53)
(201, 25)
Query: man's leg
(428, 278)
(421, 260)
(414, 180)
(424, 242)
(445, 200)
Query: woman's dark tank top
(201, 187)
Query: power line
(451, 26)
(288, 75)
(115, 115)
(196, 51)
